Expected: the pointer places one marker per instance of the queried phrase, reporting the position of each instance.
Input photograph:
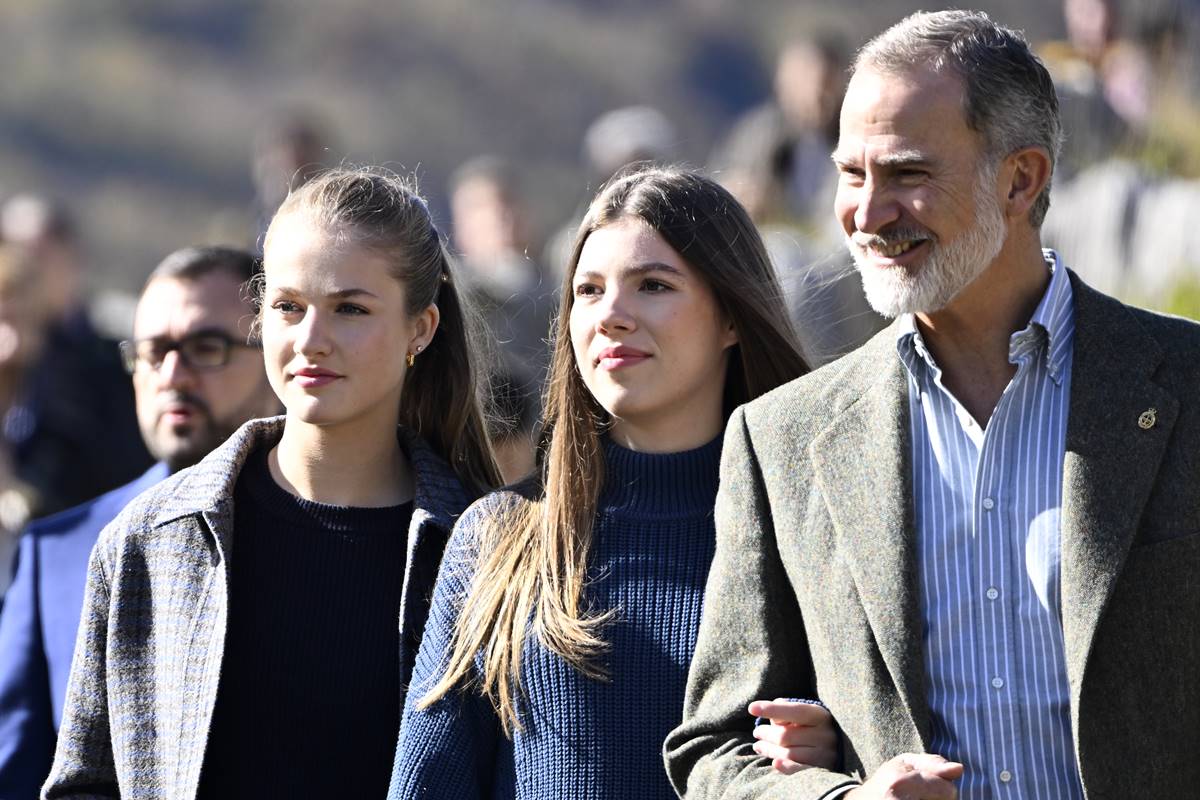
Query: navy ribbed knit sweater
(581, 738)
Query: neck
(969, 338)
(336, 467)
(672, 432)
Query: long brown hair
(443, 391)
(533, 555)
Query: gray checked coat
(813, 590)
(148, 659)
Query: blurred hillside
(141, 113)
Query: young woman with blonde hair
(249, 623)
(566, 609)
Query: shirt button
(1005, 776)
(988, 504)
(998, 683)
(993, 593)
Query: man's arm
(83, 762)
(26, 715)
(751, 645)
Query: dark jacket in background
(37, 632)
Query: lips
(178, 413)
(180, 408)
(611, 358)
(314, 377)
(895, 250)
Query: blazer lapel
(1111, 460)
(862, 463)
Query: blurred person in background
(196, 379)
(290, 149)
(616, 139)
(776, 157)
(491, 234)
(1103, 82)
(71, 432)
(22, 339)
(776, 162)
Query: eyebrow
(340, 294)
(207, 330)
(639, 269)
(900, 158)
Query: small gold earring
(411, 359)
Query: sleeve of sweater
(83, 763)
(448, 749)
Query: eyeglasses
(202, 350)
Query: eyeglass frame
(130, 357)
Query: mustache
(182, 398)
(890, 237)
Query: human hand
(911, 776)
(799, 735)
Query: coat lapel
(862, 463)
(1110, 463)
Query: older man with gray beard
(975, 539)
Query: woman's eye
(285, 306)
(653, 286)
(587, 290)
(350, 308)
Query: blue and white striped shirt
(987, 504)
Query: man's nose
(174, 371)
(876, 207)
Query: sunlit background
(142, 116)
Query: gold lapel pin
(1147, 419)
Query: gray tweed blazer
(813, 589)
(148, 658)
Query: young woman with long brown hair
(249, 623)
(567, 607)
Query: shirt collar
(1053, 320)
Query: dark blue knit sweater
(581, 738)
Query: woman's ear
(426, 326)
(730, 337)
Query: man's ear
(1026, 172)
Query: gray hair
(1009, 97)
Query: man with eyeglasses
(197, 376)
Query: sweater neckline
(257, 479)
(660, 484)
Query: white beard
(946, 270)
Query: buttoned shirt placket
(987, 505)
